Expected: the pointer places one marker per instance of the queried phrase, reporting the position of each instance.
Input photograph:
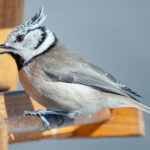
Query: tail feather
(140, 106)
(133, 103)
(131, 93)
(116, 101)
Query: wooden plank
(10, 16)
(3, 135)
(123, 122)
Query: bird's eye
(20, 38)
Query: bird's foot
(47, 116)
(73, 114)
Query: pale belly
(60, 96)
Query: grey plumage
(56, 72)
(82, 72)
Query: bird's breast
(59, 96)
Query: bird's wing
(97, 79)
(67, 66)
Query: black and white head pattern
(30, 38)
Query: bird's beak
(5, 47)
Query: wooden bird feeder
(17, 128)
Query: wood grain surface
(11, 12)
(3, 135)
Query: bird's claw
(47, 116)
(35, 113)
(41, 114)
(44, 114)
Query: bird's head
(29, 39)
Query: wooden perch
(13, 104)
(24, 124)
(120, 122)
(18, 123)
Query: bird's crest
(35, 21)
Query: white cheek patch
(29, 53)
(32, 39)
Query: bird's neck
(21, 62)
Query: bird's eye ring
(20, 38)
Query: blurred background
(114, 35)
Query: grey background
(114, 34)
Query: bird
(59, 78)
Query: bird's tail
(139, 105)
(123, 101)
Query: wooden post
(10, 16)
(3, 135)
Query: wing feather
(67, 66)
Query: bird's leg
(47, 116)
